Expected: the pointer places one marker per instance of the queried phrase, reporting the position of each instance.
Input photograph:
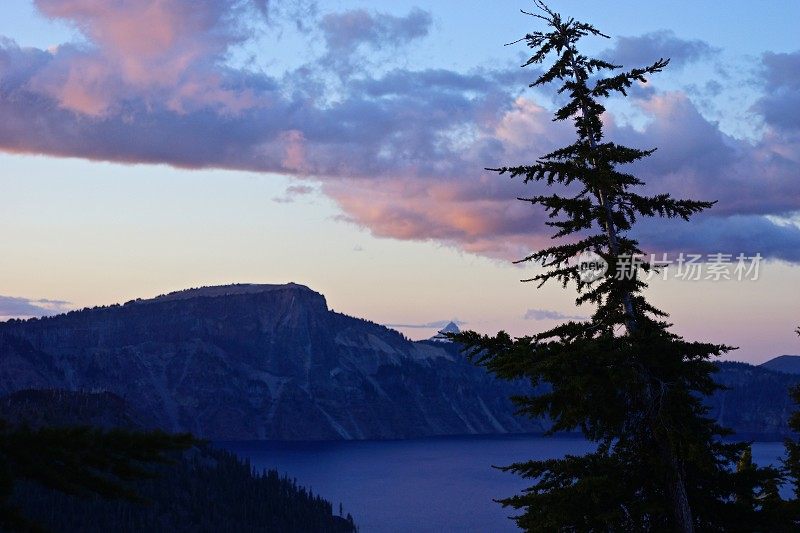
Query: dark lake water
(434, 484)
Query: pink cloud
(402, 153)
(410, 209)
(295, 158)
(146, 50)
(79, 83)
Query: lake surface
(433, 484)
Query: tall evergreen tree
(630, 385)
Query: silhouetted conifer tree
(622, 378)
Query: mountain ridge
(241, 362)
(252, 361)
(788, 364)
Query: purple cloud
(637, 51)
(780, 106)
(347, 30)
(401, 151)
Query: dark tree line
(207, 490)
(66, 466)
(80, 461)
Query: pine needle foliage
(622, 378)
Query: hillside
(203, 489)
(788, 364)
(208, 490)
(258, 362)
(757, 402)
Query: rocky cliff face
(258, 362)
(756, 402)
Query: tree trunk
(676, 488)
(681, 511)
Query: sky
(157, 145)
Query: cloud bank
(400, 150)
(644, 49)
(548, 314)
(16, 307)
(439, 324)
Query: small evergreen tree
(623, 378)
